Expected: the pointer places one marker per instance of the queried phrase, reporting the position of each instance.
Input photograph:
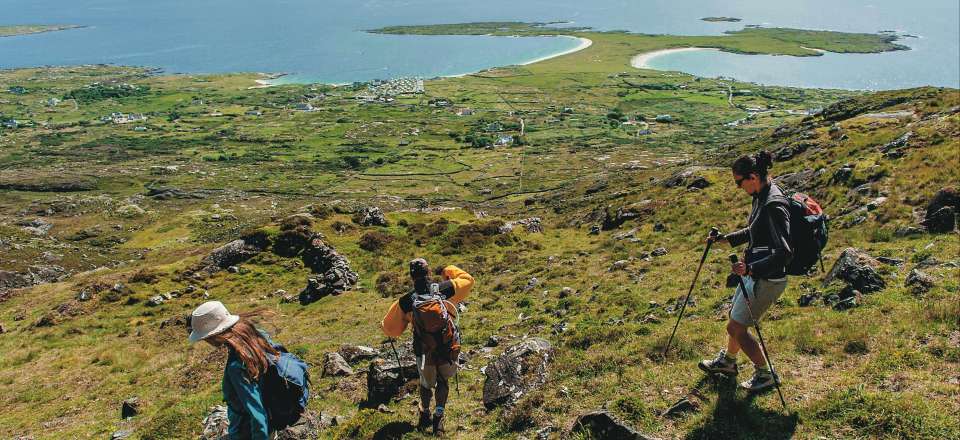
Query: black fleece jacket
(768, 233)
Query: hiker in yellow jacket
(436, 355)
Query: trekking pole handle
(714, 232)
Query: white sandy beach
(584, 43)
(642, 61)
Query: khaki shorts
(428, 373)
(763, 293)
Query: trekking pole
(399, 364)
(763, 347)
(714, 233)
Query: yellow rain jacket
(455, 287)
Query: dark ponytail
(757, 164)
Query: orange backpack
(435, 327)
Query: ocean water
(324, 41)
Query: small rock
(155, 300)
(807, 299)
(890, 261)
(566, 291)
(595, 230)
(130, 408)
(121, 434)
(919, 282)
(682, 406)
(492, 341)
(659, 227)
(335, 365)
(601, 425)
(233, 269)
(619, 265)
(385, 409)
(531, 283)
(659, 252)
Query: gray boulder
(858, 270)
(520, 369)
(601, 425)
(335, 365)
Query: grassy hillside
(886, 368)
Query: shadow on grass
(740, 418)
(393, 430)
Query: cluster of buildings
(124, 118)
(393, 87)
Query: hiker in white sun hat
(247, 364)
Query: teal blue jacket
(248, 417)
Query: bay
(324, 40)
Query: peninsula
(11, 31)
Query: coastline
(584, 43)
(641, 61)
(270, 81)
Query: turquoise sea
(324, 40)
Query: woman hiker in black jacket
(762, 268)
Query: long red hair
(249, 345)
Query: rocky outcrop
(356, 353)
(334, 273)
(689, 178)
(532, 224)
(370, 216)
(799, 181)
(942, 211)
(520, 369)
(385, 378)
(601, 425)
(232, 253)
(216, 426)
(858, 270)
(166, 193)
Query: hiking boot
(425, 421)
(721, 364)
(761, 380)
(437, 424)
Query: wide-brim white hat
(210, 318)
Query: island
(721, 19)
(11, 31)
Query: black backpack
(285, 389)
(808, 233)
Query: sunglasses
(739, 181)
